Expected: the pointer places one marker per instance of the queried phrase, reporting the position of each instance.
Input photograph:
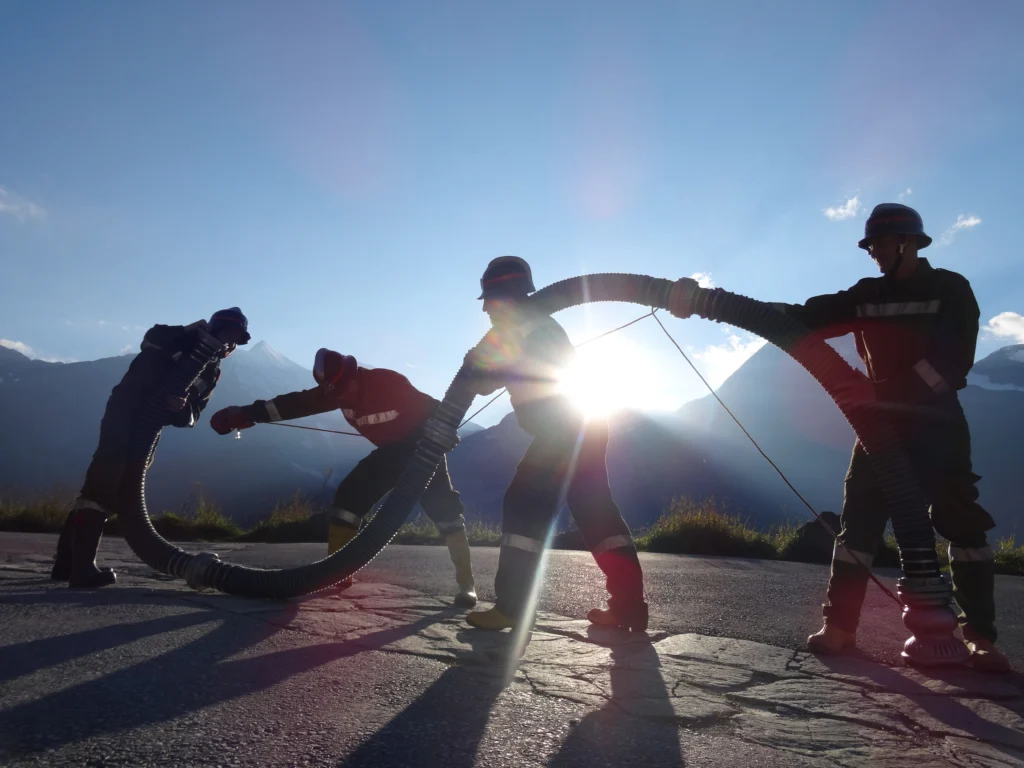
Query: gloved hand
(443, 434)
(227, 419)
(680, 300)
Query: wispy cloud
(904, 195)
(127, 348)
(847, 210)
(27, 351)
(18, 346)
(1007, 325)
(962, 222)
(703, 279)
(723, 360)
(19, 207)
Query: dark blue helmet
(506, 276)
(333, 370)
(229, 317)
(894, 219)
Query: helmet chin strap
(891, 272)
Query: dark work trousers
(938, 443)
(559, 468)
(378, 473)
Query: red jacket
(387, 408)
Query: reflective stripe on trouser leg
(345, 517)
(973, 574)
(847, 587)
(518, 569)
(863, 526)
(458, 550)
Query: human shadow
(946, 709)
(637, 726)
(445, 725)
(190, 678)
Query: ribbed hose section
(850, 390)
(207, 571)
(846, 386)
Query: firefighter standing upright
(525, 351)
(385, 408)
(103, 491)
(916, 328)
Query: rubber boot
(88, 530)
(458, 549)
(985, 657)
(338, 535)
(62, 561)
(632, 616)
(830, 639)
(492, 619)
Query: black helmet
(332, 370)
(228, 317)
(894, 219)
(506, 276)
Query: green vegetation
(687, 527)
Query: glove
(443, 434)
(227, 419)
(680, 300)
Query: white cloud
(1007, 325)
(18, 346)
(904, 195)
(847, 210)
(703, 279)
(723, 360)
(27, 351)
(962, 222)
(19, 207)
(126, 349)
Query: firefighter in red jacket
(916, 328)
(385, 408)
(525, 351)
(103, 491)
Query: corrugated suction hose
(848, 388)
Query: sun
(612, 375)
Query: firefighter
(103, 491)
(525, 351)
(385, 408)
(916, 328)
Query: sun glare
(612, 375)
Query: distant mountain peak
(261, 351)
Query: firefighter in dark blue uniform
(525, 351)
(916, 328)
(103, 491)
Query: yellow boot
(492, 619)
(458, 549)
(338, 535)
(830, 639)
(985, 657)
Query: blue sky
(344, 171)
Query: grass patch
(692, 528)
(1009, 557)
(687, 527)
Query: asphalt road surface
(769, 602)
(152, 673)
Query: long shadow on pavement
(183, 681)
(445, 725)
(611, 736)
(945, 709)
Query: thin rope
(774, 465)
(311, 429)
(581, 344)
